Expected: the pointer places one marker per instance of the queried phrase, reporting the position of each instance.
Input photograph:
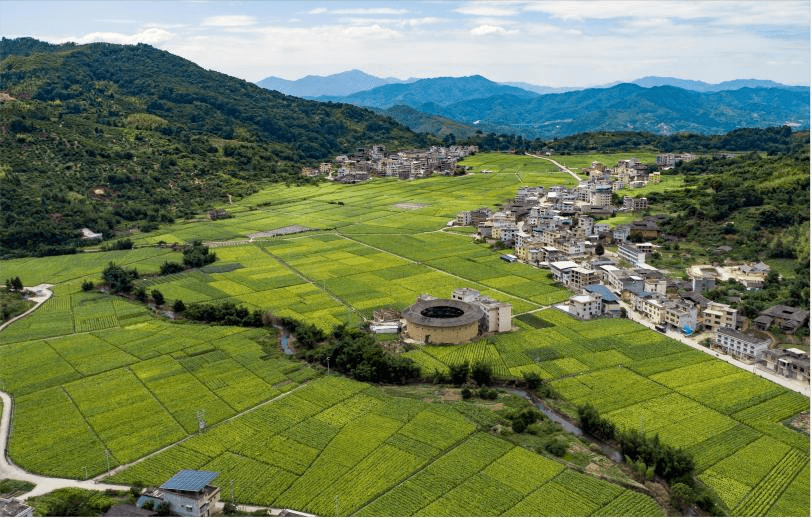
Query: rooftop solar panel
(190, 480)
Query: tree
(482, 373)
(118, 279)
(87, 285)
(178, 306)
(682, 496)
(532, 380)
(158, 297)
(599, 250)
(458, 372)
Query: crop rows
(766, 492)
(596, 490)
(553, 499)
(652, 366)
(731, 393)
(795, 499)
(696, 373)
(714, 449)
(181, 393)
(537, 470)
(476, 496)
(243, 475)
(312, 432)
(608, 389)
(780, 407)
(437, 430)
(630, 503)
(753, 462)
(161, 467)
(374, 474)
(90, 355)
(69, 436)
(22, 359)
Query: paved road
(794, 385)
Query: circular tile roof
(470, 313)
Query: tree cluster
(14, 284)
(225, 313)
(355, 353)
(119, 279)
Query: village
(405, 165)
(556, 228)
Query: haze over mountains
(653, 104)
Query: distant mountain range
(344, 83)
(354, 81)
(655, 104)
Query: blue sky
(554, 43)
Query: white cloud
(482, 30)
(151, 36)
(362, 11)
(717, 12)
(229, 21)
(484, 9)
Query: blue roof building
(188, 493)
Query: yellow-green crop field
(98, 379)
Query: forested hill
(109, 136)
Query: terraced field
(99, 381)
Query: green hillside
(112, 137)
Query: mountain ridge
(354, 81)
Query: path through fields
(562, 167)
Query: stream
(568, 426)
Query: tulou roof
(190, 480)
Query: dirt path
(562, 167)
(42, 293)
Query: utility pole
(328, 365)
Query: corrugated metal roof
(190, 480)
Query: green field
(99, 380)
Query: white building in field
(740, 344)
(498, 315)
(587, 306)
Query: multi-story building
(587, 306)
(716, 315)
(631, 253)
(635, 204)
(735, 343)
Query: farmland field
(100, 381)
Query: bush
(486, 393)
(482, 373)
(466, 393)
(158, 298)
(87, 285)
(178, 306)
(169, 268)
(458, 372)
(556, 446)
(532, 380)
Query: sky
(542, 42)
